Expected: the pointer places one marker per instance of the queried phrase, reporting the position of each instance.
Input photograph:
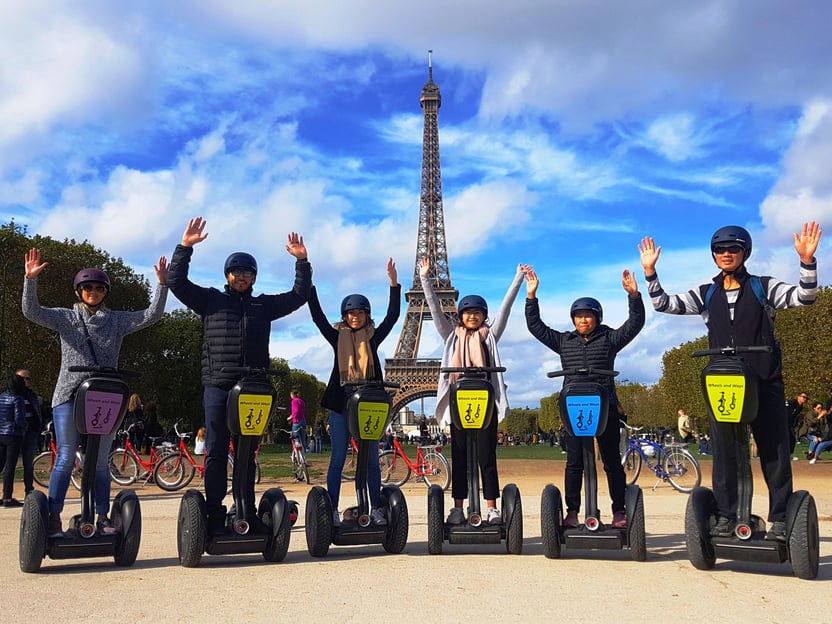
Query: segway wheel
(551, 515)
(700, 509)
(513, 518)
(436, 525)
(127, 516)
(274, 514)
(398, 524)
(191, 528)
(804, 540)
(636, 530)
(33, 520)
(318, 522)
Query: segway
(584, 407)
(472, 408)
(730, 390)
(100, 406)
(251, 403)
(368, 414)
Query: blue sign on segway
(583, 413)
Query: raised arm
(440, 321)
(501, 318)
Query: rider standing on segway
(736, 314)
(236, 329)
(590, 345)
(472, 343)
(355, 340)
(91, 335)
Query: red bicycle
(431, 466)
(45, 462)
(126, 464)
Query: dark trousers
(11, 445)
(28, 450)
(610, 455)
(217, 438)
(771, 434)
(486, 440)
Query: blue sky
(568, 131)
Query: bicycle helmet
(240, 260)
(587, 304)
(90, 275)
(732, 235)
(355, 302)
(469, 302)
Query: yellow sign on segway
(372, 419)
(472, 406)
(726, 396)
(254, 411)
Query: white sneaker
(493, 516)
(336, 517)
(813, 460)
(377, 517)
(456, 516)
(794, 459)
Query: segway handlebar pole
(730, 351)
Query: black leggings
(487, 455)
(610, 455)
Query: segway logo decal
(582, 412)
(372, 419)
(726, 394)
(472, 406)
(101, 411)
(254, 411)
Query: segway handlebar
(583, 372)
(253, 371)
(105, 371)
(370, 383)
(730, 351)
(473, 370)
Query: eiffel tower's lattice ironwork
(419, 376)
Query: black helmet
(90, 275)
(240, 260)
(732, 235)
(587, 304)
(472, 301)
(355, 302)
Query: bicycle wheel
(436, 470)
(682, 470)
(348, 473)
(77, 471)
(42, 466)
(394, 470)
(169, 472)
(632, 462)
(124, 469)
(302, 469)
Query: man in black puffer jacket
(236, 329)
(590, 345)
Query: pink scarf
(469, 350)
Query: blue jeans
(67, 439)
(299, 431)
(339, 435)
(819, 447)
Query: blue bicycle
(672, 463)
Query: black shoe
(12, 502)
(724, 527)
(777, 532)
(216, 521)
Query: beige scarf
(355, 358)
(469, 350)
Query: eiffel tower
(418, 377)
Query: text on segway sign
(472, 406)
(582, 412)
(726, 394)
(254, 411)
(101, 411)
(372, 419)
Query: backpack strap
(759, 292)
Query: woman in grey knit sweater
(91, 334)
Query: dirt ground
(465, 582)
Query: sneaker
(619, 520)
(724, 527)
(12, 502)
(571, 520)
(377, 517)
(105, 527)
(336, 517)
(777, 532)
(795, 458)
(813, 460)
(493, 516)
(54, 527)
(456, 516)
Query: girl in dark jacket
(12, 428)
(355, 340)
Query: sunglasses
(93, 288)
(731, 249)
(242, 273)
